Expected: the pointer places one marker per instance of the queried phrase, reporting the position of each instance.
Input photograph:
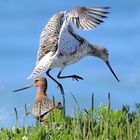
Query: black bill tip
(108, 64)
(23, 88)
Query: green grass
(94, 124)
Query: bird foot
(76, 77)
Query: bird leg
(74, 77)
(61, 89)
(59, 85)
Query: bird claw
(77, 78)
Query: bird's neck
(94, 50)
(41, 92)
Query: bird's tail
(37, 71)
(42, 66)
(31, 76)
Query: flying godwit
(43, 106)
(60, 46)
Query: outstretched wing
(48, 44)
(84, 18)
(87, 18)
(49, 36)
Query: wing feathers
(87, 18)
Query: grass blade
(16, 114)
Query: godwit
(43, 106)
(61, 46)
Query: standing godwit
(61, 46)
(43, 106)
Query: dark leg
(61, 88)
(59, 85)
(74, 77)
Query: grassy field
(102, 123)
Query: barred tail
(43, 65)
(36, 72)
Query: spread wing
(87, 18)
(84, 18)
(49, 36)
(48, 44)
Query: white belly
(63, 59)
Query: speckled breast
(66, 58)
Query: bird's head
(102, 53)
(38, 82)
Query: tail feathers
(42, 66)
(31, 76)
(36, 72)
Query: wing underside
(84, 18)
(87, 18)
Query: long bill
(29, 86)
(108, 64)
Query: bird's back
(43, 107)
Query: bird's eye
(36, 80)
(106, 52)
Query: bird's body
(60, 45)
(43, 106)
(67, 57)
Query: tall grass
(100, 123)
